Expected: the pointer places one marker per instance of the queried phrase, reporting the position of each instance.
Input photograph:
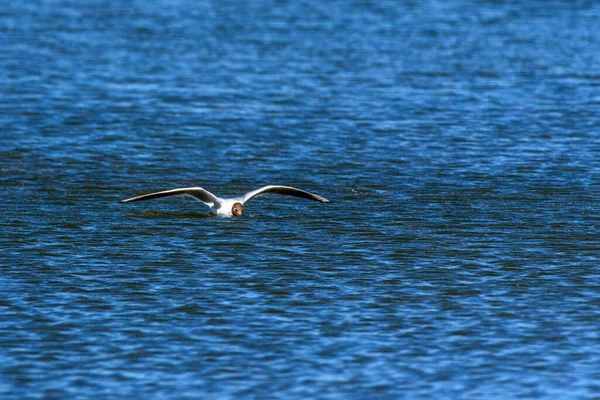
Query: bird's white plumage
(223, 207)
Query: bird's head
(237, 210)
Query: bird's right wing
(196, 192)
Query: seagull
(233, 207)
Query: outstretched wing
(196, 192)
(284, 190)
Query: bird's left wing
(283, 190)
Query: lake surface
(459, 143)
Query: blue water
(459, 143)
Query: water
(459, 144)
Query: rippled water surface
(459, 143)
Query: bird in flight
(232, 207)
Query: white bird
(228, 207)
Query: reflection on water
(168, 215)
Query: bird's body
(232, 206)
